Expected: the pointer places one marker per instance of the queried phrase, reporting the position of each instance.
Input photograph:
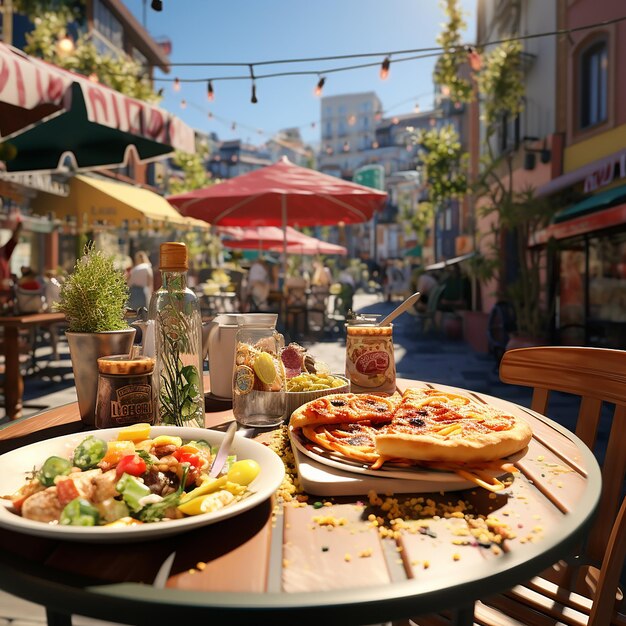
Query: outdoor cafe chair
(428, 318)
(318, 308)
(584, 591)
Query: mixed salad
(131, 480)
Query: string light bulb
(65, 45)
(176, 86)
(474, 59)
(183, 104)
(209, 91)
(160, 92)
(320, 86)
(384, 68)
(253, 97)
(157, 5)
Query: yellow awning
(94, 201)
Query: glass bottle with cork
(178, 336)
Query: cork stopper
(173, 257)
(121, 364)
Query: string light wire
(434, 49)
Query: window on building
(107, 24)
(594, 63)
(509, 133)
(140, 58)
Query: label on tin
(370, 363)
(244, 380)
(133, 404)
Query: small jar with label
(370, 361)
(126, 392)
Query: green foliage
(454, 55)
(94, 295)
(195, 175)
(502, 80)
(420, 220)
(443, 162)
(50, 19)
(498, 85)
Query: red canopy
(33, 91)
(279, 195)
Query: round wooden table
(286, 564)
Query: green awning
(602, 200)
(414, 251)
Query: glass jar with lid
(370, 360)
(259, 375)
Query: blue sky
(249, 31)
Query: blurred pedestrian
(396, 283)
(140, 281)
(259, 285)
(426, 282)
(5, 256)
(321, 275)
(29, 280)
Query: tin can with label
(370, 362)
(126, 393)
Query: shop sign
(605, 174)
(37, 181)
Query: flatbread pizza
(426, 427)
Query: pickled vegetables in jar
(259, 373)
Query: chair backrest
(433, 299)
(319, 298)
(29, 300)
(612, 564)
(598, 377)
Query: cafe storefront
(587, 241)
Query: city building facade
(587, 239)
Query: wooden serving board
(323, 480)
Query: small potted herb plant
(94, 298)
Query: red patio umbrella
(281, 194)
(272, 238)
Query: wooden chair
(585, 591)
(318, 309)
(427, 318)
(296, 307)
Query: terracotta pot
(85, 349)
(452, 326)
(524, 341)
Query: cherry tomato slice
(131, 464)
(187, 457)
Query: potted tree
(494, 81)
(93, 298)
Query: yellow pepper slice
(134, 432)
(207, 503)
(167, 440)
